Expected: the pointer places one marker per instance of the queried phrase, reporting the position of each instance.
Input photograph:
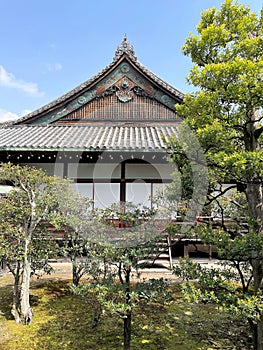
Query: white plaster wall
(94, 171)
(149, 171)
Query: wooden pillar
(123, 184)
(186, 249)
(65, 169)
(210, 251)
(169, 243)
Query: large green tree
(225, 112)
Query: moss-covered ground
(64, 321)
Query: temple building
(107, 134)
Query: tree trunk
(259, 339)
(16, 297)
(26, 311)
(258, 328)
(127, 331)
(97, 312)
(127, 319)
(78, 270)
(76, 274)
(254, 193)
(75, 279)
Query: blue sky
(50, 46)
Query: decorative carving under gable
(140, 92)
(125, 93)
(125, 89)
(109, 92)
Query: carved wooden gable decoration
(124, 91)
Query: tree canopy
(24, 236)
(225, 113)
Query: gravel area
(63, 270)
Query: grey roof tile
(83, 137)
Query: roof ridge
(125, 47)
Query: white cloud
(25, 112)
(9, 80)
(7, 116)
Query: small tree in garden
(113, 265)
(77, 219)
(113, 289)
(225, 113)
(24, 241)
(229, 283)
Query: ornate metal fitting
(125, 47)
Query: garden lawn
(64, 321)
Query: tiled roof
(85, 137)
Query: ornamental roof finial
(125, 47)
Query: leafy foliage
(76, 218)
(219, 285)
(25, 241)
(111, 267)
(225, 112)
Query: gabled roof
(122, 89)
